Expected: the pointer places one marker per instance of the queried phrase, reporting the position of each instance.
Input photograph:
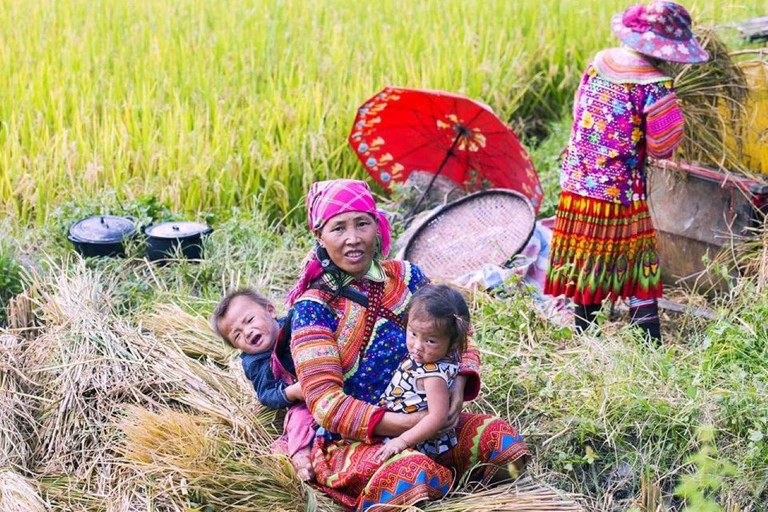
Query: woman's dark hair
(446, 307)
(330, 268)
(223, 306)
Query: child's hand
(392, 447)
(293, 393)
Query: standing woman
(604, 244)
(347, 340)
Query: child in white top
(436, 335)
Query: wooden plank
(754, 29)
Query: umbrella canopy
(400, 130)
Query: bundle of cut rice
(713, 96)
(16, 421)
(17, 494)
(201, 462)
(190, 333)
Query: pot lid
(102, 229)
(177, 229)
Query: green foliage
(11, 280)
(700, 487)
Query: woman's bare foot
(302, 463)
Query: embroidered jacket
(625, 109)
(342, 379)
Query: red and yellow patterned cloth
(603, 250)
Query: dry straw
(199, 460)
(18, 494)
(190, 333)
(16, 404)
(524, 495)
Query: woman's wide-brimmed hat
(661, 30)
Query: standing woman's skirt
(603, 250)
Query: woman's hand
(390, 448)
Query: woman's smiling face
(350, 239)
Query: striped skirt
(603, 250)
(349, 472)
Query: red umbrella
(399, 131)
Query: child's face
(425, 343)
(248, 326)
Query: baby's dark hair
(223, 306)
(446, 307)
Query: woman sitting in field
(348, 338)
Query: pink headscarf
(325, 200)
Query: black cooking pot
(171, 239)
(102, 235)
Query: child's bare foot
(303, 465)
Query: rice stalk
(18, 494)
(190, 333)
(16, 422)
(522, 495)
(197, 460)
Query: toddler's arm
(270, 391)
(437, 414)
(293, 392)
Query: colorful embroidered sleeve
(318, 367)
(664, 123)
(470, 367)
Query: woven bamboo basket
(490, 226)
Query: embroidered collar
(375, 273)
(622, 65)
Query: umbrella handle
(409, 217)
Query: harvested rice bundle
(200, 462)
(16, 422)
(88, 364)
(17, 494)
(190, 333)
(524, 495)
(220, 393)
(713, 96)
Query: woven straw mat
(490, 226)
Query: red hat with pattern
(661, 30)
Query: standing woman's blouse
(625, 109)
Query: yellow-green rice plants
(207, 106)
